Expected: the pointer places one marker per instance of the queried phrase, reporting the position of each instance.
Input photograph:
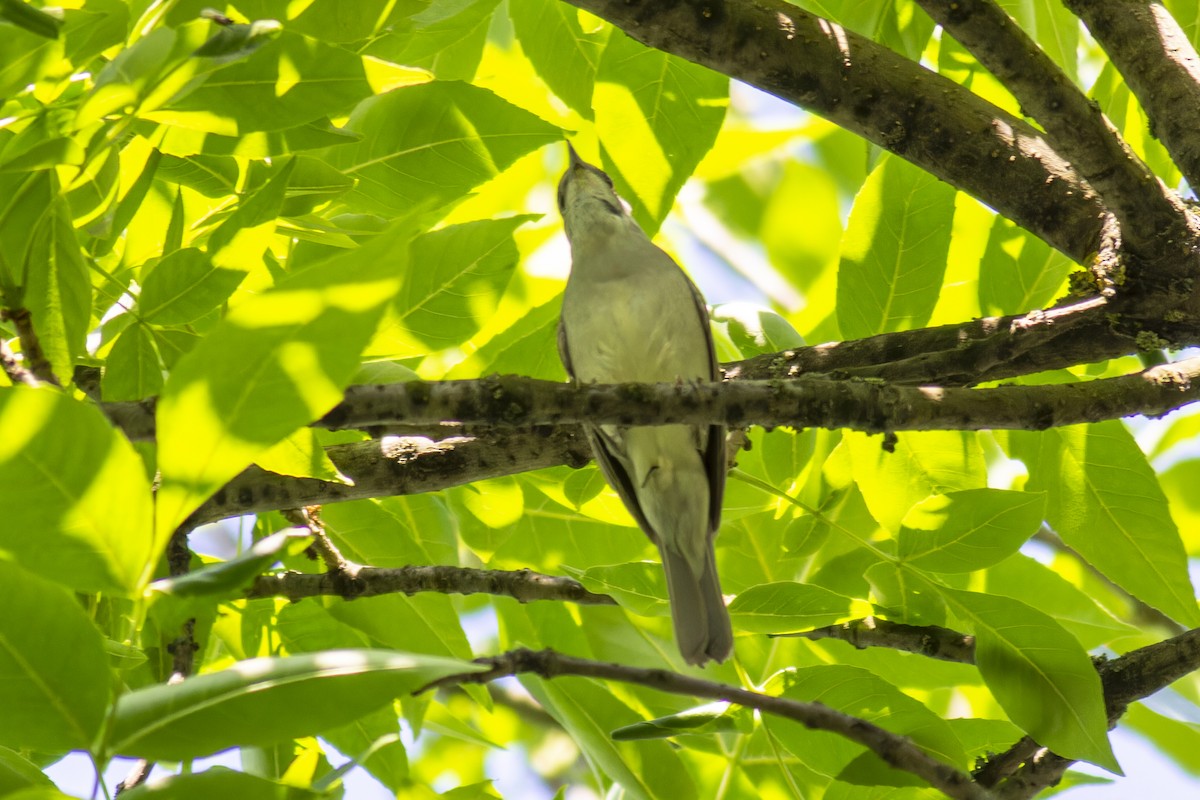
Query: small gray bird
(631, 314)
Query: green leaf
(1106, 504)
(234, 42)
(148, 73)
(240, 240)
(786, 606)
(185, 286)
(211, 176)
(588, 711)
(333, 20)
(802, 253)
(426, 623)
(1073, 604)
(46, 153)
(66, 474)
(39, 793)
(186, 142)
(58, 290)
(1019, 272)
(922, 464)
(24, 59)
(229, 577)
(527, 347)
(54, 678)
(374, 741)
(1040, 675)
(25, 201)
(903, 597)
(302, 456)
(656, 115)
(445, 38)
(563, 53)
(706, 719)
(755, 330)
(269, 699)
(132, 370)
(464, 270)
(894, 250)
(296, 348)
(432, 143)
(864, 695)
(312, 183)
(17, 773)
(969, 530)
(639, 586)
(288, 81)
(218, 782)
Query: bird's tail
(702, 628)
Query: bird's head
(587, 201)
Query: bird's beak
(573, 159)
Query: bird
(631, 314)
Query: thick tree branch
(1078, 129)
(817, 401)
(358, 581)
(1159, 64)
(399, 465)
(962, 354)
(898, 751)
(879, 95)
(514, 416)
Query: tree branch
(1159, 64)
(358, 581)
(879, 95)
(397, 465)
(931, 641)
(898, 751)
(1076, 126)
(962, 354)
(818, 401)
(523, 409)
(31, 345)
(13, 368)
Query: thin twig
(16, 372)
(898, 751)
(927, 640)
(31, 345)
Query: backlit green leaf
(265, 700)
(894, 250)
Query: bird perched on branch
(630, 314)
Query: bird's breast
(643, 327)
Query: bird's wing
(610, 456)
(714, 449)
